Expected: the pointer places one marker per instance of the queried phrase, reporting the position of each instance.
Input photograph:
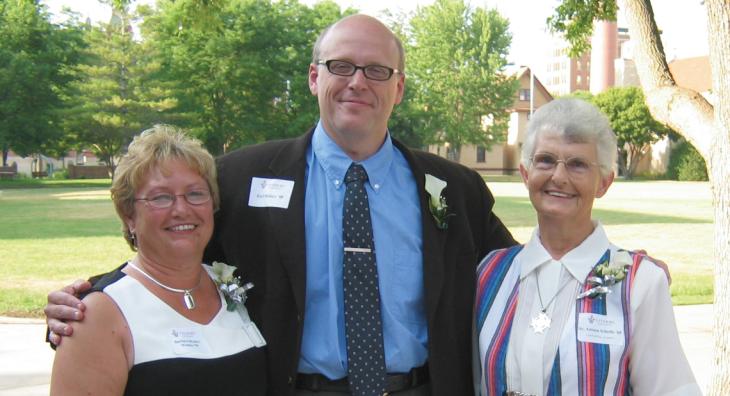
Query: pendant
(540, 323)
(189, 301)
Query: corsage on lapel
(437, 203)
(233, 291)
(607, 274)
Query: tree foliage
(34, 60)
(116, 94)
(634, 126)
(242, 79)
(456, 58)
(574, 19)
(686, 164)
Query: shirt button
(291, 380)
(376, 186)
(337, 182)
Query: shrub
(60, 174)
(686, 164)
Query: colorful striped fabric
(494, 360)
(556, 384)
(622, 383)
(592, 360)
(490, 274)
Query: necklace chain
(187, 293)
(544, 307)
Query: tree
(705, 125)
(456, 58)
(34, 57)
(116, 95)
(241, 77)
(634, 126)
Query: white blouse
(657, 365)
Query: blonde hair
(153, 148)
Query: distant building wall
(88, 172)
(503, 158)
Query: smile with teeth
(558, 194)
(182, 227)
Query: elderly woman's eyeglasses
(372, 72)
(574, 165)
(164, 201)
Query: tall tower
(604, 49)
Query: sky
(683, 22)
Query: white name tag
(254, 334)
(188, 341)
(270, 193)
(600, 329)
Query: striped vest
(579, 368)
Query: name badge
(600, 329)
(270, 193)
(254, 335)
(188, 341)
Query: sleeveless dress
(176, 356)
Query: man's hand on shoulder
(64, 305)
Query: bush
(60, 174)
(686, 164)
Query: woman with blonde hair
(163, 323)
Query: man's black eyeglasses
(372, 72)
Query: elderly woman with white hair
(569, 312)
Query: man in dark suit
(280, 223)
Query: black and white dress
(176, 356)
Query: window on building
(481, 154)
(451, 153)
(525, 94)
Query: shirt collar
(579, 262)
(335, 161)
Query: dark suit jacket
(268, 247)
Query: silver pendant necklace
(187, 293)
(542, 321)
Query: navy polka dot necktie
(363, 324)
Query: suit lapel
(288, 224)
(434, 239)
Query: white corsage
(607, 274)
(230, 286)
(437, 203)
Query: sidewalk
(25, 360)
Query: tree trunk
(707, 127)
(6, 151)
(719, 176)
(718, 18)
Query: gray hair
(576, 121)
(398, 43)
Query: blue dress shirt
(396, 219)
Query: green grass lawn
(54, 232)
(672, 221)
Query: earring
(133, 238)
